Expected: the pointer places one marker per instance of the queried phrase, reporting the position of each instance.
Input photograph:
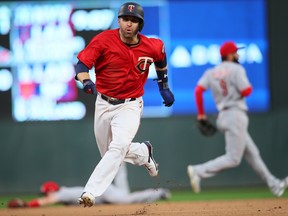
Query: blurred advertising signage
(39, 43)
(44, 43)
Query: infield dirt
(259, 207)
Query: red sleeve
(33, 203)
(199, 99)
(246, 92)
(159, 49)
(90, 54)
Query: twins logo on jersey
(144, 63)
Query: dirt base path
(262, 207)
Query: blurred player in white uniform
(229, 85)
(117, 193)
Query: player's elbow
(199, 90)
(246, 92)
(236, 162)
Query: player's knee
(234, 161)
(122, 147)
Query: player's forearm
(199, 101)
(82, 76)
(162, 79)
(42, 201)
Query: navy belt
(115, 101)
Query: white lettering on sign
(200, 55)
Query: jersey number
(223, 86)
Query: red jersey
(121, 71)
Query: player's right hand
(89, 87)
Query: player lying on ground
(117, 193)
(230, 85)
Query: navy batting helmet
(132, 9)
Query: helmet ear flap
(141, 25)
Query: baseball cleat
(194, 179)
(87, 199)
(279, 188)
(151, 164)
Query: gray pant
(238, 143)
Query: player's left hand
(205, 127)
(167, 96)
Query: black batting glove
(89, 87)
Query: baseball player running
(117, 193)
(121, 58)
(230, 85)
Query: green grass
(224, 194)
(188, 195)
(5, 198)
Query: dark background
(65, 151)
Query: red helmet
(49, 186)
